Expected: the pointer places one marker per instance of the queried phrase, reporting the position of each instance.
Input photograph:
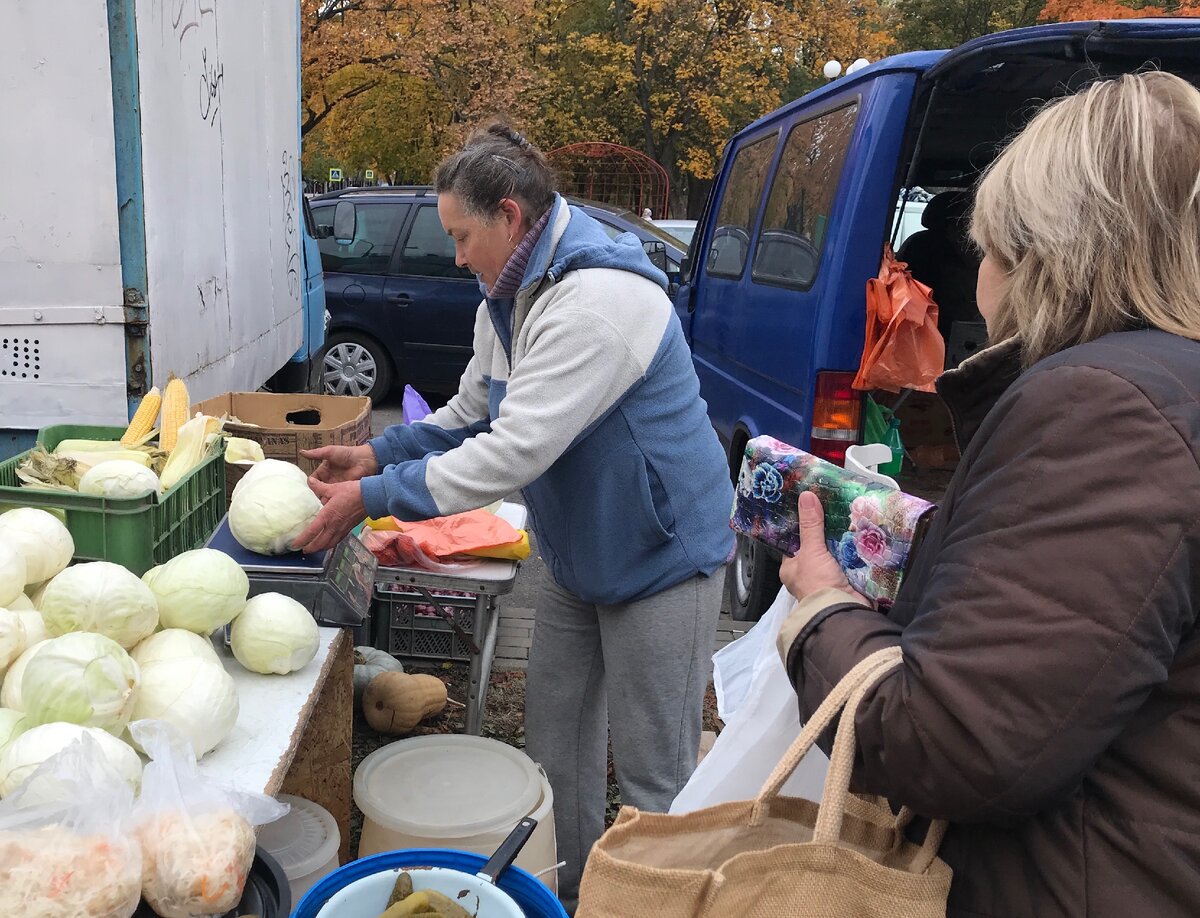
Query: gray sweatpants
(639, 669)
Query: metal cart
(424, 615)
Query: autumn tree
(676, 78)
(347, 47)
(929, 24)
(394, 83)
(1084, 10)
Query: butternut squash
(395, 703)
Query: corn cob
(143, 418)
(175, 409)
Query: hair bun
(502, 130)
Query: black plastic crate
(407, 628)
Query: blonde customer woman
(1049, 701)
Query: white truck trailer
(151, 214)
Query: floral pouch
(872, 529)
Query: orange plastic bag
(476, 532)
(904, 349)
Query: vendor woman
(581, 394)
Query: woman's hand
(813, 568)
(343, 463)
(343, 511)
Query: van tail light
(837, 416)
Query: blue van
(772, 299)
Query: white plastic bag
(65, 845)
(756, 701)
(196, 834)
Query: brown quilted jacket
(1049, 702)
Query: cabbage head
(12, 574)
(274, 634)
(270, 511)
(102, 597)
(173, 644)
(267, 468)
(80, 678)
(194, 695)
(41, 538)
(200, 590)
(119, 478)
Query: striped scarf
(509, 281)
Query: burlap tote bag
(774, 856)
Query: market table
(293, 733)
(485, 581)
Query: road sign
(369, 175)
(335, 175)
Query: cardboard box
(285, 424)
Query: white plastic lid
(447, 786)
(304, 840)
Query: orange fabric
(476, 531)
(903, 349)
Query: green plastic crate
(136, 532)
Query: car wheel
(752, 581)
(356, 365)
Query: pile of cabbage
(87, 648)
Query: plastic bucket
(304, 843)
(369, 874)
(463, 793)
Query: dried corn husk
(48, 472)
(93, 452)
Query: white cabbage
(12, 638)
(194, 695)
(12, 724)
(270, 511)
(274, 634)
(80, 678)
(102, 597)
(173, 644)
(200, 590)
(41, 538)
(239, 449)
(119, 478)
(12, 575)
(35, 628)
(265, 469)
(10, 693)
(21, 604)
(38, 743)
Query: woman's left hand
(813, 567)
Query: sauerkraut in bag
(66, 849)
(196, 834)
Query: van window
(370, 252)
(743, 193)
(798, 209)
(429, 251)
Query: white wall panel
(59, 244)
(219, 108)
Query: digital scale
(334, 585)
